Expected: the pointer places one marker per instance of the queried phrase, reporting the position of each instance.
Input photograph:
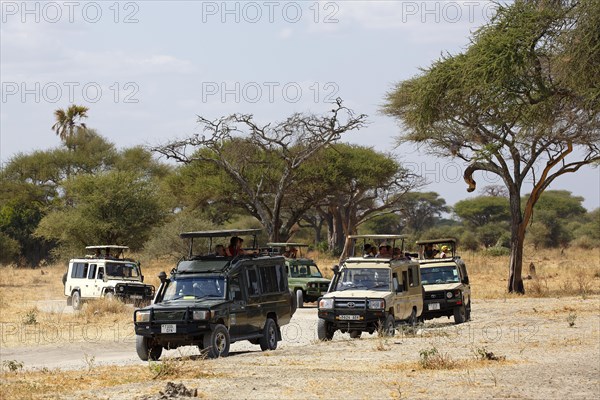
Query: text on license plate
(136, 296)
(433, 306)
(168, 328)
(349, 317)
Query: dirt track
(545, 358)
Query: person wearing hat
(444, 253)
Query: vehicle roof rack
(107, 246)
(218, 233)
(434, 241)
(377, 236)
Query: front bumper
(346, 320)
(439, 306)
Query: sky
(147, 69)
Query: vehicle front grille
(439, 295)
(350, 304)
(131, 289)
(169, 315)
(323, 286)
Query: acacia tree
(510, 104)
(285, 145)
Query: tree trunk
(517, 238)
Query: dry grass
(45, 383)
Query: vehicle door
(95, 288)
(79, 279)
(274, 288)
(399, 293)
(238, 314)
(253, 298)
(415, 292)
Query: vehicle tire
(76, 300)
(412, 320)
(355, 334)
(268, 341)
(460, 314)
(389, 326)
(468, 312)
(217, 342)
(294, 302)
(299, 299)
(324, 331)
(145, 350)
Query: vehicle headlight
(142, 316)
(326, 303)
(312, 285)
(200, 314)
(121, 288)
(376, 304)
(449, 295)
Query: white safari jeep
(447, 291)
(372, 292)
(105, 273)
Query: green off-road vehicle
(445, 281)
(372, 293)
(211, 300)
(304, 277)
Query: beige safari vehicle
(372, 292)
(445, 281)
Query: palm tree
(68, 121)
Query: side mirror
(162, 276)
(335, 269)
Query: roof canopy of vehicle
(220, 233)
(436, 241)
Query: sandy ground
(551, 349)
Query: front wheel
(460, 314)
(146, 350)
(412, 320)
(217, 342)
(299, 298)
(389, 326)
(355, 334)
(324, 330)
(268, 341)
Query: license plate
(350, 317)
(168, 328)
(136, 296)
(433, 306)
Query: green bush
(496, 251)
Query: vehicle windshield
(437, 275)
(123, 270)
(364, 279)
(195, 288)
(305, 271)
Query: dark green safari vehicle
(304, 277)
(211, 301)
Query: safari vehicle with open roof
(105, 272)
(445, 280)
(304, 277)
(211, 300)
(372, 293)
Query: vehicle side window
(282, 282)
(101, 273)
(411, 279)
(79, 270)
(268, 279)
(92, 273)
(395, 282)
(404, 280)
(252, 281)
(235, 289)
(415, 275)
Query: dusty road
(549, 349)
